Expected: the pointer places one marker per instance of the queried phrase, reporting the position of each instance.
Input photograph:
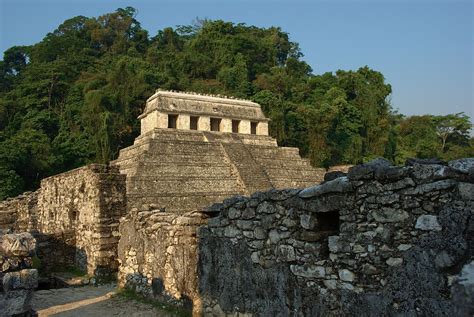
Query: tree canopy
(74, 97)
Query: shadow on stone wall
(58, 253)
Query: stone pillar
(244, 127)
(153, 120)
(226, 125)
(162, 120)
(262, 128)
(183, 122)
(148, 123)
(204, 123)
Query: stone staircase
(180, 173)
(285, 168)
(250, 171)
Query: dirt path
(90, 301)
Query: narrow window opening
(193, 123)
(172, 120)
(235, 126)
(327, 225)
(74, 215)
(253, 127)
(215, 124)
(328, 222)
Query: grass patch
(36, 262)
(171, 309)
(75, 271)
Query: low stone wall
(17, 279)
(158, 255)
(381, 241)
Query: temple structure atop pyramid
(195, 150)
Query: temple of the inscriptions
(195, 150)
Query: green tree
(453, 127)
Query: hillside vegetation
(74, 97)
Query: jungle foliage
(74, 97)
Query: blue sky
(423, 47)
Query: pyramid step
(184, 185)
(177, 202)
(182, 170)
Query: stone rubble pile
(17, 278)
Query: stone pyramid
(195, 150)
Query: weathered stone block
(15, 302)
(346, 275)
(286, 253)
(308, 271)
(439, 185)
(391, 173)
(260, 233)
(387, 214)
(462, 165)
(466, 191)
(428, 223)
(338, 185)
(308, 221)
(248, 213)
(234, 213)
(394, 261)
(24, 279)
(366, 171)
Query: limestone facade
(190, 111)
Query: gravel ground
(88, 301)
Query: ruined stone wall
(74, 216)
(80, 209)
(158, 255)
(19, 213)
(381, 241)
